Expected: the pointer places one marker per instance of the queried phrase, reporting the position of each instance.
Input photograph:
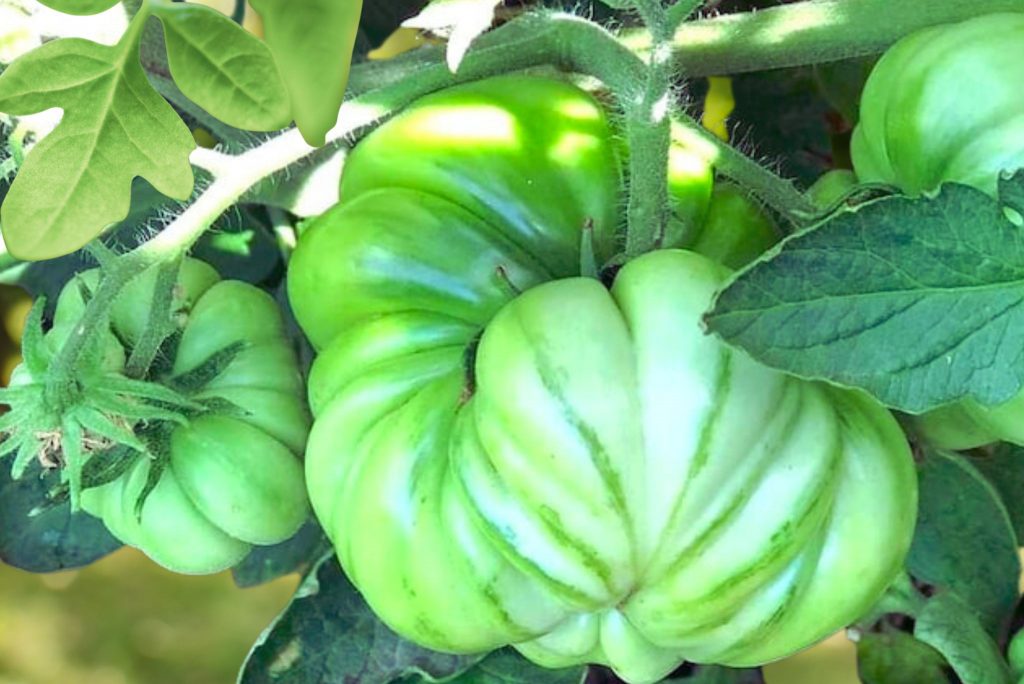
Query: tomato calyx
(94, 427)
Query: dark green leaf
(115, 125)
(964, 539)
(222, 67)
(329, 634)
(952, 628)
(508, 667)
(893, 657)
(319, 32)
(916, 301)
(52, 540)
(267, 563)
(1004, 468)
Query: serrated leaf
(222, 67)
(77, 181)
(460, 21)
(267, 563)
(920, 302)
(55, 539)
(964, 540)
(312, 32)
(79, 7)
(893, 657)
(329, 634)
(1004, 469)
(506, 666)
(952, 628)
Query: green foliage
(222, 68)
(951, 627)
(80, 7)
(41, 537)
(313, 32)
(964, 540)
(77, 180)
(267, 563)
(914, 300)
(894, 657)
(328, 633)
(1003, 466)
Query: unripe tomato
(944, 105)
(506, 453)
(233, 477)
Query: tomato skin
(519, 456)
(234, 476)
(944, 104)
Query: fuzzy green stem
(773, 190)
(811, 32)
(648, 131)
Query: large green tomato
(506, 453)
(945, 105)
(233, 477)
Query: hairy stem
(648, 131)
(810, 32)
(773, 190)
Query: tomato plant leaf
(222, 67)
(505, 666)
(460, 21)
(917, 301)
(79, 7)
(893, 657)
(964, 540)
(267, 563)
(313, 32)
(952, 628)
(54, 539)
(1004, 469)
(329, 634)
(77, 180)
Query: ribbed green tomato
(506, 453)
(945, 105)
(234, 476)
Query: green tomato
(944, 104)
(736, 230)
(233, 477)
(506, 453)
(831, 187)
